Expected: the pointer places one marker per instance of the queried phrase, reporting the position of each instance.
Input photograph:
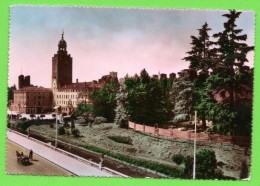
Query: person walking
(31, 154)
(101, 161)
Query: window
(39, 103)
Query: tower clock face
(54, 84)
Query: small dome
(62, 43)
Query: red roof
(34, 89)
(82, 85)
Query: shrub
(244, 171)
(206, 164)
(25, 124)
(178, 159)
(188, 166)
(99, 120)
(75, 132)
(61, 130)
(24, 119)
(120, 139)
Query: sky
(101, 40)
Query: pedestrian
(101, 161)
(31, 154)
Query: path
(69, 163)
(37, 166)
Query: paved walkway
(71, 164)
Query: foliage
(104, 102)
(228, 77)
(61, 131)
(148, 100)
(178, 159)
(75, 132)
(167, 170)
(183, 108)
(25, 124)
(244, 172)
(121, 114)
(85, 111)
(206, 164)
(10, 92)
(120, 139)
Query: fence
(190, 135)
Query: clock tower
(61, 66)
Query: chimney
(77, 80)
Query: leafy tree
(148, 102)
(104, 102)
(121, 100)
(85, 111)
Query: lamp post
(56, 134)
(194, 156)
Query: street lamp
(56, 135)
(194, 156)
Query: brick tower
(61, 66)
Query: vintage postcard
(130, 92)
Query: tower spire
(62, 34)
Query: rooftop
(33, 89)
(81, 85)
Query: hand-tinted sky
(101, 40)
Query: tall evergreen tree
(121, 100)
(201, 58)
(232, 52)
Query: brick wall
(189, 135)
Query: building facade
(32, 100)
(69, 96)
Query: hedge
(169, 171)
(26, 124)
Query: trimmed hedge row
(169, 171)
(26, 124)
(119, 139)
